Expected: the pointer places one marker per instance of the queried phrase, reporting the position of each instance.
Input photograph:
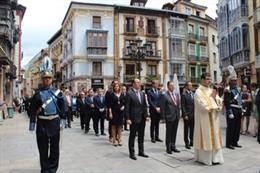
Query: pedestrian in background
(255, 116)
(187, 105)
(246, 108)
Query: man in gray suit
(170, 110)
(136, 113)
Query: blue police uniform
(233, 104)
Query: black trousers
(139, 129)
(258, 134)
(188, 131)
(82, 117)
(155, 122)
(89, 116)
(233, 129)
(99, 118)
(69, 116)
(49, 152)
(171, 133)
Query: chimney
(139, 3)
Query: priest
(207, 134)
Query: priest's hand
(129, 122)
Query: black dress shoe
(168, 151)
(153, 141)
(187, 146)
(159, 140)
(103, 134)
(230, 147)
(238, 146)
(143, 155)
(191, 144)
(175, 150)
(133, 157)
(86, 131)
(97, 134)
(215, 163)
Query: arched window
(245, 36)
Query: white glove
(231, 116)
(62, 123)
(101, 110)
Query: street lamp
(138, 52)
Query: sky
(43, 18)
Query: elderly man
(207, 134)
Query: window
(96, 22)
(213, 39)
(97, 43)
(152, 70)
(190, 28)
(130, 24)
(130, 69)
(197, 13)
(192, 72)
(215, 76)
(203, 70)
(153, 47)
(203, 51)
(177, 47)
(192, 50)
(178, 27)
(177, 68)
(201, 31)
(151, 28)
(245, 36)
(188, 10)
(97, 68)
(214, 57)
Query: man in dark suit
(100, 112)
(257, 102)
(89, 101)
(81, 107)
(136, 113)
(154, 98)
(187, 105)
(170, 111)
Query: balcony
(241, 59)
(257, 61)
(173, 32)
(149, 78)
(181, 78)
(129, 78)
(203, 38)
(129, 30)
(257, 17)
(192, 36)
(204, 59)
(194, 58)
(154, 55)
(152, 31)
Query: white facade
(214, 55)
(79, 29)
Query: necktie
(101, 99)
(174, 98)
(138, 95)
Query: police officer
(233, 104)
(46, 112)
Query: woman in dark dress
(247, 107)
(116, 113)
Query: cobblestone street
(83, 153)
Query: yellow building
(55, 52)
(254, 33)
